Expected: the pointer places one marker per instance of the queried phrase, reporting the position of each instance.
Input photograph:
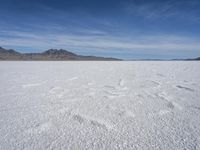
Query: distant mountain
(198, 58)
(9, 54)
(189, 59)
(49, 55)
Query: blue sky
(128, 29)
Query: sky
(127, 29)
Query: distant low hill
(189, 59)
(49, 55)
(198, 58)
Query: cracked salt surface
(117, 105)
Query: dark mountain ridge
(64, 55)
(198, 58)
(49, 55)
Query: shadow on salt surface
(55, 89)
(173, 105)
(40, 128)
(194, 107)
(169, 105)
(95, 122)
(121, 82)
(160, 75)
(113, 91)
(148, 84)
(185, 88)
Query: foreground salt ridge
(99, 105)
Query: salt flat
(100, 105)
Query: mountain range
(49, 55)
(63, 55)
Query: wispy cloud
(151, 44)
(165, 10)
(148, 10)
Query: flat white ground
(100, 105)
